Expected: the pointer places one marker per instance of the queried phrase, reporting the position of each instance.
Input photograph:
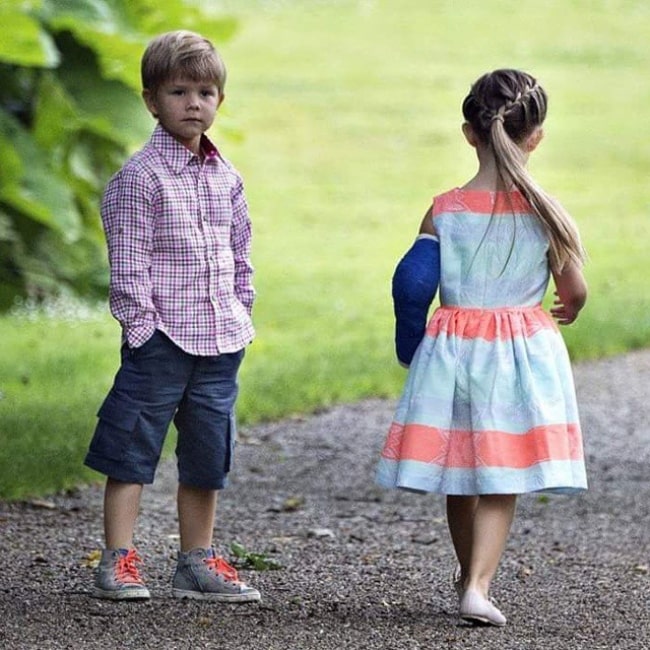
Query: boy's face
(185, 108)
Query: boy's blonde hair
(503, 108)
(181, 54)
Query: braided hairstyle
(503, 108)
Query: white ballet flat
(476, 609)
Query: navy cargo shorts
(155, 384)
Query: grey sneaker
(117, 576)
(202, 575)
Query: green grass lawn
(351, 119)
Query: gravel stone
(575, 574)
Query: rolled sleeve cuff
(137, 335)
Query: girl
(489, 408)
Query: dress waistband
(508, 308)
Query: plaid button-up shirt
(179, 239)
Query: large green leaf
(118, 57)
(70, 111)
(105, 28)
(153, 17)
(109, 13)
(22, 40)
(106, 106)
(118, 30)
(56, 262)
(28, 6)
(42, 193)
(55, 117)
(12, 281)
(7, 232)
(92, 159)
(11, 166)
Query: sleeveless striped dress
(489, 404)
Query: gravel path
(362, 568)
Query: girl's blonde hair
(181, 53)
(503, 108)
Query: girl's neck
(487, 177)
(488, 183)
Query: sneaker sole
(135, 593)
(216, 598)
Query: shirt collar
(175, 154)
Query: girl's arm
(426, 227)
(414, 286)
(571, 292)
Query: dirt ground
(362, 568)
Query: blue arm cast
(414, 287)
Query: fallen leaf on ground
(92, 559)
(42, 503)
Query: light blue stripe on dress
(550, 476)
(505, 395)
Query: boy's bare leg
(460, 519)
(492, 522)
(121, 507)
(196, 516)
(200, 573)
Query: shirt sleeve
(127, 217)
(240, 240)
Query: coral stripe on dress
(490, 324)
(466, 449)
(480, 202)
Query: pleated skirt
(489, 407)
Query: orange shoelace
(220, 566)
(126, 570)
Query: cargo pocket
(114, 433)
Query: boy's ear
(150, 101)
(221, 98)
(469, 134)
(533, 140)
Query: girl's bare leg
(492, 521)
(460, 519)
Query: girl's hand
(563, 314)
(571, 292)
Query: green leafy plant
(250, 560)
(70, 112)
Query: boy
(178, 234)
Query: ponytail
(564, 240)
(504, 108)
